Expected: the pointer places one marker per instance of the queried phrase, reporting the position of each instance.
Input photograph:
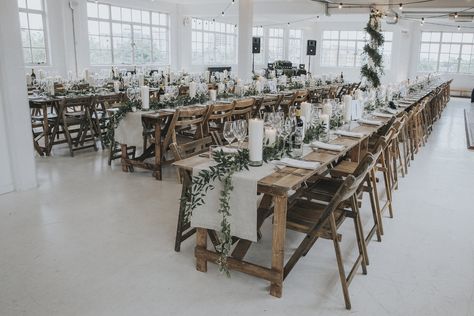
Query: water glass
(229, 132)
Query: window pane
(22, 4)
(92, 10)
(103, 11)
(23, 20)
(35, 4)
(37, 39)
(115, 13)
(38, 55)
(35, 21)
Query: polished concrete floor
(92, 240)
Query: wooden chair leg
(374, 213)
(340, 264)
(360, 235)
(373, 178)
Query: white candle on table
(255, 142)
(347, 107)
(221, 87)
(306, 110)
(270, 135)
(86, 75)
(141, 80)
(207, 75)
(258, 87)
(51, 88)
(116, 86)
(213, 95)
(192, 89)
(327, 108)
(28, 79)
(325, 120)
(145, 91)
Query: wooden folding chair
(183, 228)
(216, 116)
(317, 220)
(270, 103)
(243, 109)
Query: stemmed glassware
(229, 132)
(240, 131)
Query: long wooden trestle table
(275, 189)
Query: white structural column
(244, 66)
(14, 103)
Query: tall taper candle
(145, 91)
(256, 142)
(213, 95)
(192, 89)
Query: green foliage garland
(374, 68)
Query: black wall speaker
(311, 48)
(256, 45)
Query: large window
(447, 52)
(275, 44)
(345, 48)
(33, 35)
(127, 36)
(213, 43)
(295, 39)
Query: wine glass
(229, 132)
(240, 131)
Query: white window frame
(201, 30)
(44, 30)
(360, 39)
(133, 25)
(300, 45)
(271, 37)
(437, 51)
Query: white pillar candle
(207, 76)
(116, 86)
(347, 107)
(192, 90)
(213, 95)
(141, 80)
(306, 109)
(327, 108)
(258, 87)
(86, 75)
(226, 73)
(51, 88)
(255, 142)
(28, 79)
(270, 135)
(145, 91)
(325, 120)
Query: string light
(222, 13)
(459, 27)
(401, 6)
(455, 15)
(422, 21)
(233, 1)
(340, 5)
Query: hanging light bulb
(401, 6)
(233, 1)
(422, 21)
(317, 18)
(288, 23)
(459, 27)
(222, 13)
(455, 15)
(340, 5)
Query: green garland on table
(314, 132)
(129, 106)
(374, 68)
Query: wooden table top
(290, 178)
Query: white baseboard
(6, 188)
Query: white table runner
(243, 203)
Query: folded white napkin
(301, 164)
(370, 122)
(226, 150)
(404, 105)
(169, 110)
(391, 111)
(349, 134)
(378, 114)
(334, 147)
